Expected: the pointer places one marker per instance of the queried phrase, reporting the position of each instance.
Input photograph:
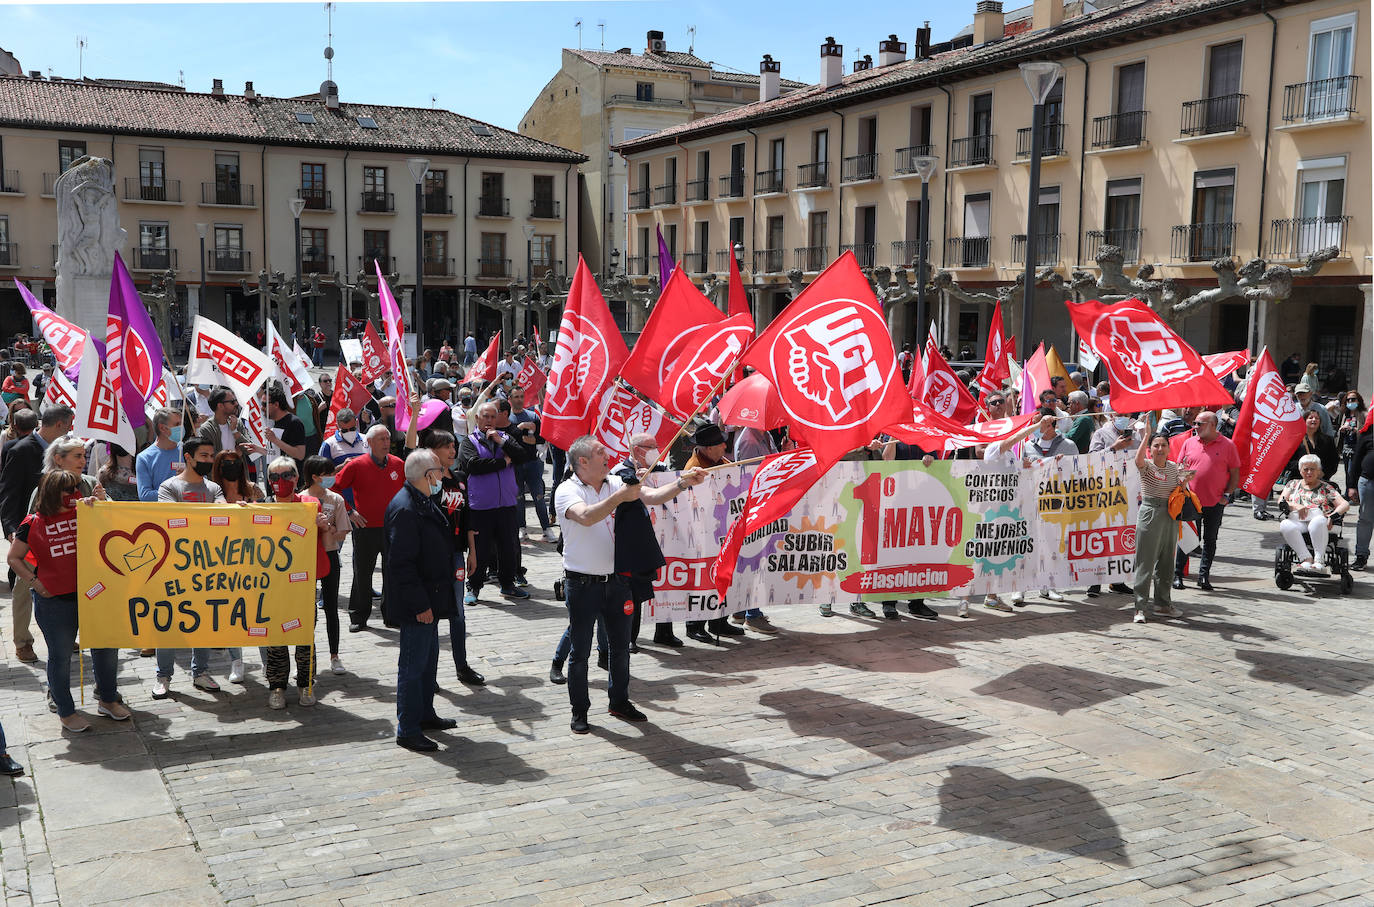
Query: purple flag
(665, 260)
(134, 350)
(65, 339)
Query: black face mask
(231, 469)
(203, 469)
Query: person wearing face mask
(117, 475)
(49, 535)
(283, 478)
(222, 429)
(1118, 434)
(319, 482)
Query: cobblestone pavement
(1059, 754)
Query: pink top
(1213, 462)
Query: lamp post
(419, 166)
(1040, 77)
(201, 229)
(615, 262)
(528, 230)
(926, 165)
(297, 206)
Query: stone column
(1364, 361)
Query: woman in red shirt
(49, 535)
(16, 386)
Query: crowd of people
(442, 511)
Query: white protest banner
(352, 349)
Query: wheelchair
(1337, 558)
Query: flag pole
(715, 390)
(736, 463)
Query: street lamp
(297, 206)
(201, 229)
(615, 261)
(1040, 77)
(528, 230)
(419, 166)
(925, 165)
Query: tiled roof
(669, 61)
(1091, 31)
(635, 61)
(747, 79)
(678, 58)
(84, 107)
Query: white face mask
(1122, 422)
(349, 437)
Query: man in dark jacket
(1360, 490)
(419, 572)
(486, 458)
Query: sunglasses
(278, 476)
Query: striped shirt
(1156, 481)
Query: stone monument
(88, 234)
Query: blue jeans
(319, 356)
(417, 676)
(560, 651)
(200, 661)
(530, 476)
(57, 620)
(458, 626)
(560, 463)
(588, 601)
(1365, 528)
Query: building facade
(231, 165)
(600, 98)
(1181, 132)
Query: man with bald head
(1217, 465)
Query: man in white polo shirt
(585, 505)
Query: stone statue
(88, 235)
(158, 299)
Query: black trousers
(498, 546)
(369, 544)
(1211, 528)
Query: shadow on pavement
(1044, 812)
(482, 761)
(1060, 689)
(885, 732)
(1334, 676)
(502, 700)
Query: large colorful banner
(898, 530)
(177, 576)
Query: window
(374, 190)
(493, 262)
(1047, 227)
(670, 240)
(228, 190)
(1331, 53)
(703, 165)
(228, 252)
(703, 242)
(314, 250)
(977, 219)
(68, 152)
(1321, 204)
(377, 247)
(154, 253)
(980, 114)
(1121, 226)
(493, 201)
(436, 192)
(919, 133)
(304, 116)
(541, 255)
(776, 155)
(543, 188)
(817, 226)
(8, 255)
(1052, 138)
(1129, 125)
(644, 91)
(910, 249)
(367, 122)
(1213, 207)
(1223, 87)
(865, 234)
(820, 146)
(312, 186)
(152, 175)
(481, 129)
(736, 232)
(436, 253)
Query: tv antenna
(81, 56)
(577, 24)
(601, 24)
(329, 42)
(692, 39)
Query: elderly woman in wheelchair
(1313, 506)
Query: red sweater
(373, 486)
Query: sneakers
(922, 611)
(1016, 598)
(1139, 617)
(890, 611)
(551, 535)
(1320, 568)
(336, 665)
(627, 712)
(115, 711)
(307, 697)
(993, 603)
(1051, 595)
(276, 699)
(1360, 562)
(760, 624)
(75, 722)
(827, 611)
(469, 597)
(1167, 611)
(205, 682)
(962, 609)
(1121, 589)
(162, 687)
(515, 593)
(522, 581)
(523, 534)
(738, 618)
(236, 671)
(859, 609)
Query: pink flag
(1035, 379)
(65, 339)
(395, 346)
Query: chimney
(36, 74)
(987, 21)
(770, 78)
(891, 51)
(923, 42)
(865, 64)
(329, 92)
(832, 63)
(217, 88)
(655, 43)
(248, 91)
(1047, 14)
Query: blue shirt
(153, 467)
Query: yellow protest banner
(177, 575)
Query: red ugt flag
(347, 392)
(484, 369)
(682, 311)
(374, 355)
(995, 368)
(943, 391)
(1268, 429)
(66, 340)
(713, 352)
(1149, 365)
(624, 415)
(830, 357)
(588, 357)
(530, 374)
(778, 484)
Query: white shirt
(587, 549)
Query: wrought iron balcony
(379, 202)
(229, 260)
(694, 262)
(635, 99)
(1120, 130)
(639, 199)
(1323, 99)
(722, 260)
(906, 157)
(316, 199)
(493, 206)
(1128, 241)
(859, 167)
(493, 267)
(388, 262)
(50, 183)
(768, 261)
(904, 253)
(1202, 242)
(972, 151)
(546, 208)
(216, 193)
(438, 203)
(438, 267)
(732, 185)
(539, 268)
(144, 189)
(1207, 116)
(699, 190)
(1047, 249)
(768, 181)
(154, 258)
(813, 176)
(9, 254)
(1051, 140)
(9, 180)
(970, 251)
(863, 253)
(811, 258)
(1295, 238)
(665, 194)
(637, 265)
(315, 261)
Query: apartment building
(598, 98)
(232, 164)
(1182, 131)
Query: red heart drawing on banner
(130, 553)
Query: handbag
(1184, 505)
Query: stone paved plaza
(1061, 754)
